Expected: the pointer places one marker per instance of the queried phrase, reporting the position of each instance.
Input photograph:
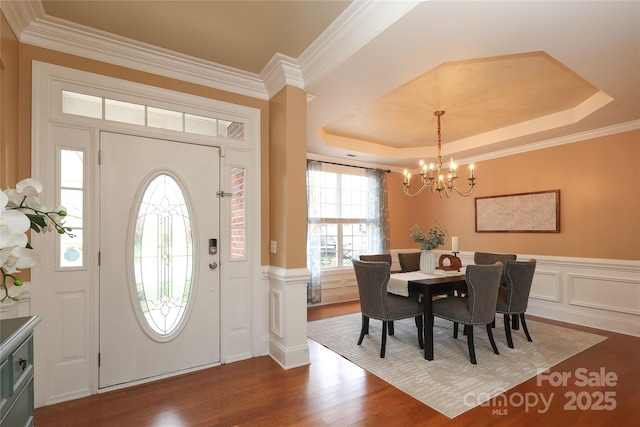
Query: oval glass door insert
(163, 255)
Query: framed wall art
(537, 212)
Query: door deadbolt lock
(213, 265)
(213, 246)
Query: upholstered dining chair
(488, 258)
(476, 307)
(377, 257)
(409, 261)
(380, 258)
(513, 298)
(376, 303)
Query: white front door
(159, 286)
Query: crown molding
(34, 27)
(548, 143)
(354, 28)
(576, 137)
(360, 23)
(281, 70)
(20, 14)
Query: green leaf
(37, 219)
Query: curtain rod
(361, 167)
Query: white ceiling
(511, 75)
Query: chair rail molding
(594, 292)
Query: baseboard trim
(289, 358)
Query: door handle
(213, 265)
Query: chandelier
(433, 178)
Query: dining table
(428, 285)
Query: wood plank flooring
(333, 391)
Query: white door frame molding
(66, 342)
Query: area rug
(450, 384)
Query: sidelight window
(72, 193)
(238, 215)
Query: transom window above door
(104, 108)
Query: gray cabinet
(16, 371)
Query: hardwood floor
(333, 391)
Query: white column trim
(288, 336)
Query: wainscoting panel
(288, 341)
(334, 283)
(623, 295)
(276, 312)
(600, 293)
(547, 285)
(339, 286)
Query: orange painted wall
(8, 104)
(599, 201)
(287, 177)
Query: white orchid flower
(14, 221)
(4, 255)
(13, 258)
(13, 225)
(26, 193)
(15, 204)
(29, 187)
(12, 239)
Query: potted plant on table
(428, 242)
